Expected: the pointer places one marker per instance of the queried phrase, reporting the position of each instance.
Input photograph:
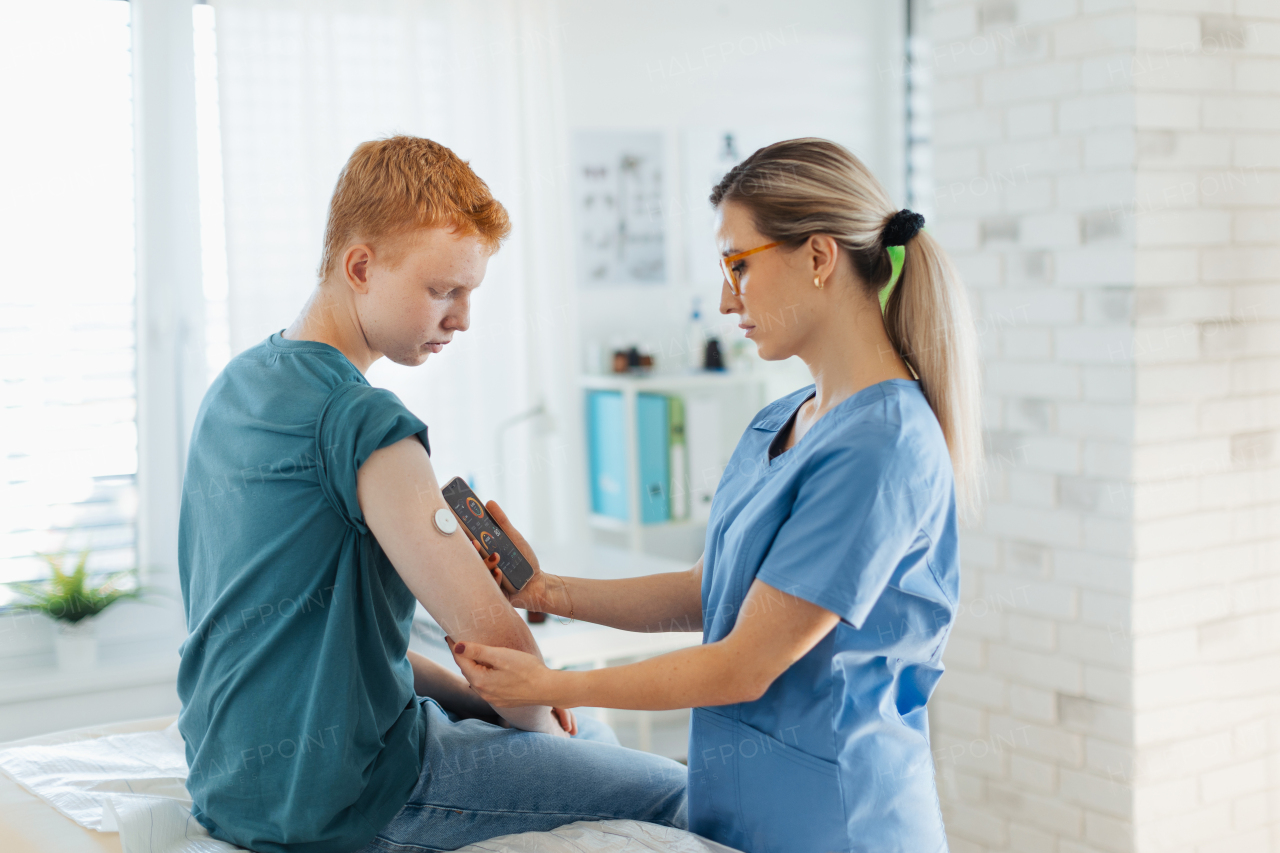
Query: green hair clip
(896, 255)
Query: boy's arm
(449, 689)
(398, 495)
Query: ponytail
(801, 187)
(931, 326)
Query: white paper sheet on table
(135, 784)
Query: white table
(582, 645)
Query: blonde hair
(392, 186)
(802, 187)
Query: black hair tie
(901, 227)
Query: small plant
(65, 596)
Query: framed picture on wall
(618, 207)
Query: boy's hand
(566, 720)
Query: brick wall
(1108, 179)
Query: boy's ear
(355, 266)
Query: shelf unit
(630, 385)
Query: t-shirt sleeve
(856, 513)
(356, 420)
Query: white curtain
(302, 82)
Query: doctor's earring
(817, 282)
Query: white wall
(767, 70)
(1109, 179)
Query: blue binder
(653, 434)
(607, 454)
(606, 447)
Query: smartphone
(467, 507)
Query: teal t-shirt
(298, 711)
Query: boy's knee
(589, 728)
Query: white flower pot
(76, 644)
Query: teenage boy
(307, 536)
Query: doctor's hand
(505, 677)
(534, 596)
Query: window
(68, 439)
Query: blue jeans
(480, 781)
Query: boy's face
(417, 291)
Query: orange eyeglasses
(726, 265)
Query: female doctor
(829, 580)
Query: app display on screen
(471, 512)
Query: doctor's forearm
(671, 601)
(712, 674)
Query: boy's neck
(330, 320)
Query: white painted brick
(1106, 149)
(1091, 644)
(1050, 527)
(1094, 346)
(955, 22)
(1045, 11)
(1034, 774)
(1035, 157)
(1167, 32)
(1103, 459)
(1041, 670)
(1042, 381)
(1096, 112)
(982, 690)
(1257, 75)
(1183, 228)
(1175, 112)
(1032, 488)
(978, 826)
(1109, 384)
(1255, 226)
(1241, 112)
(1107, 72)
(968, 127)
(1049, 230)
(1030, 84)
(1031, 632)
(1105, 610)
(1255, 150)
(1177, 383)
(1180, 610)
(1170, 535)
(1094, 34)
(1024, 121)
(1108, 535)
(1108, 685)
(1064, 748)
(1034, 704)
(1153, 801)
(1093, 571)
(1177, 266)
(965, 651)
(1096, 793)
(1108, 833)
(958, 718)
(956, 164)
(1114, 760)
(1097, 420)
(1099, 191)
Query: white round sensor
(445, 522)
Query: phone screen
(471, 512)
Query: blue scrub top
(859, 518)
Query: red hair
(390, 187)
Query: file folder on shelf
(653, 430)
(607, 456)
